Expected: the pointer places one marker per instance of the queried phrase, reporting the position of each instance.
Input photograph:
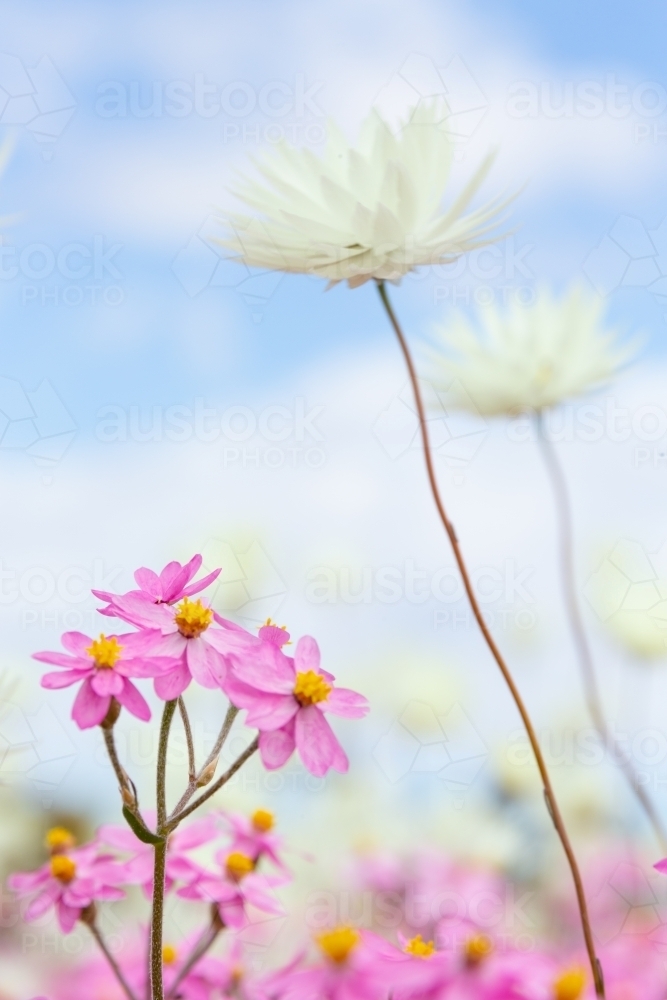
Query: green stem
(157, 916)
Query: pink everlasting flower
(286, 699)
(70, 881)
(185, 632)
(170, 586)
(237, 885)
(104, 667)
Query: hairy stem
(205, 942)
(584, 654)
(550, 798)
(157, 915)
(110, 743)
(178, 817)
(185, 718)
(104, 948)
(195, 777)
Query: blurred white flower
(526, 356)
(357, 214)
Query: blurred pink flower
(236, 885)
(252, 836)
(104, 666)
(286, 700)
(139, 866)
(70, 881)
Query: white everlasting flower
(355, 214)
(526, 356)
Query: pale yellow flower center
(105, 652)
(310, 688)
(192, 618)
(338, 943)
(417, 946)
(477, 948)
(169, 954)
(63, 868)
(263, 820)
(239, 865)
(570, 984)
(59, 839)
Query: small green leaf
(140, 828)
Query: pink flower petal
(276, 748)
(147, 666)
(272, 711)
(43, 902)
(76, 643)
(197, 833)
(63, 660)
(140, 610)
(106, 681)
(267, 669)
(132, 699)
(67, 917)
(172, 684)
(149, 582)
(196, 588)
(306, 655)
(317, 745)
(89, 708)
(64, 679)
(206, 666)
(346, 703)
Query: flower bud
(207, 774)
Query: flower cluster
(179, 638)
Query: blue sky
(149, 330)
(148, 184)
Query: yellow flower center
(192, 618)
(239, 865)
(169, 954)
(338, 943)
(263, 820)
(310, 688)
(59, 839)
(570, 984)
(417, 946)
(105, 652)
(477, 948)
(63, 868)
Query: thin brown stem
(550, 798)
(104, 948)
(178, 817)
(582, 646)
(203, 945)
(160, 859)
(185, 718)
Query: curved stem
(185, 718)
(157, 916)
(584, 655)
(550, 798)
(97, 934)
